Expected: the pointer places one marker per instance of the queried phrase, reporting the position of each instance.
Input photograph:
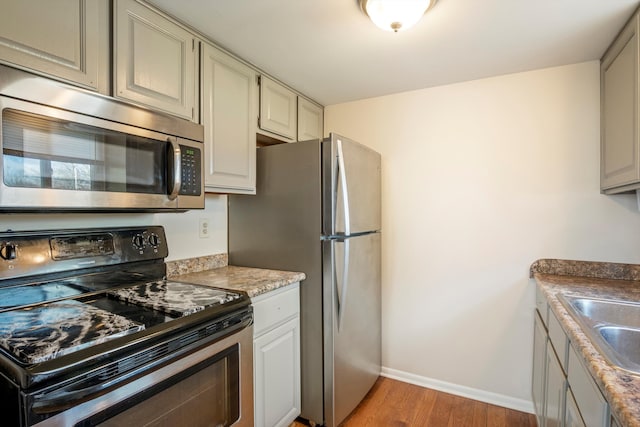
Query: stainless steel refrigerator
(317, 210)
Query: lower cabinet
(276, 357)
(563, 391)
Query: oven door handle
(68, 397)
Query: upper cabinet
(310, 120)
(278, 109)
(620, 143)
(286, 116)
(229, 117)
(65, 39)
(155, 60)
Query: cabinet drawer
(275, 307)
(591, 404)
(543, 308)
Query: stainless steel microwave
(69, 149)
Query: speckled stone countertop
(555, 277)
(253, 281)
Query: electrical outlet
(204, 228)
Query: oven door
(57, 159)
(212, 386)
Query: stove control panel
(42, 252)
(82, 246)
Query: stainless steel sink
(625, 343)
(612, 326)
(606, 311)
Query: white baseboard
(468, 392)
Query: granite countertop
(214, 272)
(619, 387)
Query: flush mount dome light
(395, 15)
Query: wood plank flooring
(397, 404)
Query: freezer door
(351, 187)
(351, 314)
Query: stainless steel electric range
(92, 333)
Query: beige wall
(181, 228)
(480, 179)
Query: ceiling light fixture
(395, 15)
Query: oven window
(44, 152)
(206, 395)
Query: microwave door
(61, 160)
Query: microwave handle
(175, 169)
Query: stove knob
(154, 240)
(8, 251)
(138, 241)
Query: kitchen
(460, 230)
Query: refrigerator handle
(343, 183)
(342, 294)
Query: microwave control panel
(191, 171)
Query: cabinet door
(539, 365)
(65, 39)
(620, 156)
(590, 402)
(555, 391)
(310, 120)
(572, 415)
(277, 375)
(154, 60)
(278, 109)
(228, 116)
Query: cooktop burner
(175, 298)
(41, 333)
(17, 296)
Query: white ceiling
(331, 52)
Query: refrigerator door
(351, 193)
(351, 301)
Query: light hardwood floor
(396, 404)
